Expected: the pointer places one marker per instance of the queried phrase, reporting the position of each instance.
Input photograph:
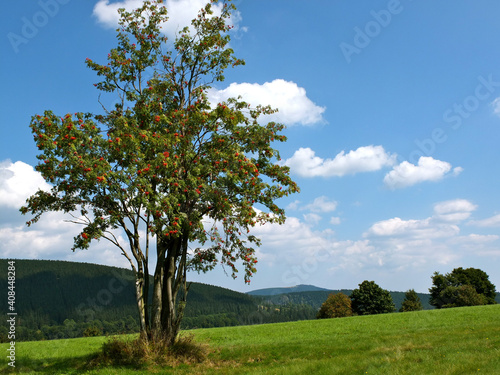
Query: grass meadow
(450, 341)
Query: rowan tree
(165, 166)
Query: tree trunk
(157, 303)
(169, 297)
(142, 302)
(160, 321)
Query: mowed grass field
(451, 341)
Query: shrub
(336, 306)
(139, 352)
(92, 331)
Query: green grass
(451, 341)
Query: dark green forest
(59, 299)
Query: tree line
(58, 299)
(461, 287)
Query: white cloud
(443, 223)
(107, 14)
(18, 181)
(335, 220)
(305, 163)
(493, 221)
(496, 106)
(294, 205)
(423, 243)
(291, 101)
(180, 13)
(428, 169)
(321, 204)
(477, 238)
(292, 241)
(312, 219)
(455, 205)
(454, 210)
(416, 229)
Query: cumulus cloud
(493, 221)
(321, 204)
(305, 163)
(18, 181)
(292, 241)
(428, 169)
(312, 218)
(180, 13)
(51, 237)
(454, 210)
(425, 228)
(294, 107)
(390, 249)
(443, 223)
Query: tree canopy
(165, 166)
(336, 306)
(370, 298)
(411, 302)
(462, 287)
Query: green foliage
(411, 302)
(370, 298)
(165, 161)
(92, 331)
(316, 298)
(336, 306)
(462, 287)
(463, 295)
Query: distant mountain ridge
(285, 290)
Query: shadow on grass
(116, 355)
(56, 365)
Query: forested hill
(56, 299)
(52, 292)
(316, 298)
(292, 289)
(83, 291)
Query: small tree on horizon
(165, 167)
(336, 306)
(370, 298)
(411, 302)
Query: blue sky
(393, 120)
